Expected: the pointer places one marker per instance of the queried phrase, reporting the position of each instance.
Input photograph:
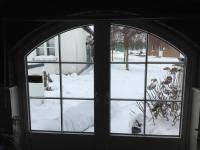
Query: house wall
(73, 49)
(155, 44)
(168, 52)
(171, 52)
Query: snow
(134, 57)
(127, 84)
(78, 115)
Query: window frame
(61, 98)
(147, 62)
(148, 25)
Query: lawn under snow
(78, 115)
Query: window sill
(45, 58)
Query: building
(162, 49)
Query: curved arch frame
(170, 35)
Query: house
(162, 49)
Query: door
(194, 129)
(115, 100)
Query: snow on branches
(163, 96)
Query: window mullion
(145, 82)
(102, 81)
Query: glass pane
(163, 118)
(43, 79)
(127, 83)
(165, 81)
(77, 45)
(51, 51)
(40, 51)
(127, 117)
(127, 44)
(78, 80)
(78, 115)
(45, 114)
(160, 50)
(47, 52)
(51, 43)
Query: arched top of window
(69, 42)
(137, 41)
(146, 72)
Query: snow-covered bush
(163, 95)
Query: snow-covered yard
(78, 115)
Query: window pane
(163, 118)
(78, 80)
(77, 45)
(127, 44)
(127, 83)
(127, 117)
(45, 114)
(47, 52)
(40, 51)
(78, 115)
(43, 80)
(159, 50)
(165, 81)
(51, 43)
(51, 51)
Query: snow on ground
(119, 57)
(78, 115)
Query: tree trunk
(126, 58)
(112, 54)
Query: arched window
(60, 82)
(99, 81)
(147, 76)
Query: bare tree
(129, 38)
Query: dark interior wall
(18, 20)
(199, 73)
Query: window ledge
(45, 58)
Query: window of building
(47, 51)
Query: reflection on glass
(78, 80)
(43, 80)
(46, 52)
(78, 115)
(45, 114)
(162, 118)
(127, 117)
(161, 51)
(127, 44)
(165, 81)
(127, 83)
(77, 45)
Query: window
(146, 83)
(40, 50)
(146, 86)
(51, 47)
(61, 92)
(47, 51)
